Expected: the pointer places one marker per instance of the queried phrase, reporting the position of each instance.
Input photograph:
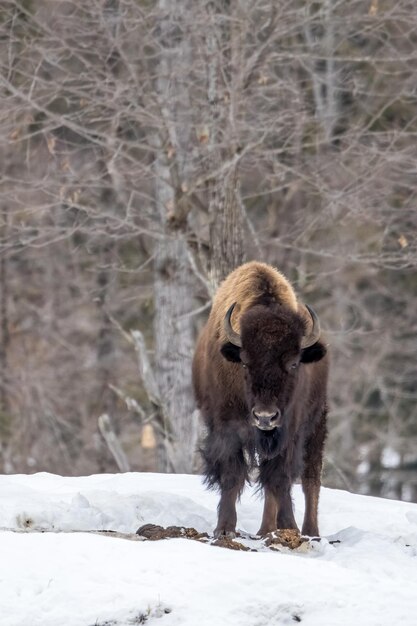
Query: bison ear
(231, 352)
(314, 353)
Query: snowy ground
(84, 579)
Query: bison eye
(294, 366)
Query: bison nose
(266, 420)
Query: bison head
(273, 344)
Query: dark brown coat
(262, 396)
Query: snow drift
(65, 578)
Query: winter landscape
(147, 151)
(55, 572)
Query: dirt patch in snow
(279, 540)
(155, 533)
(227, 542)
(288, 539)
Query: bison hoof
(222, 532)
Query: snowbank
(84, 579)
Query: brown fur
(245, 285)
(272, 324)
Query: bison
(260, 380)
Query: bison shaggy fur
(260, 381)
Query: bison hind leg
(311, 476)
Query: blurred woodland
(149, 147)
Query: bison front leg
(311, 477)
(278, 509)
(285, 517)
(227, 516)
(269, 517)
(225, 468)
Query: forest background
(149, 147)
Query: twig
(113, 443)
(145, 368)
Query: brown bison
(260, 378)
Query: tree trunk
(225, 208)
(226, 227)
(4, 321)
(173, 278)
(174, 342)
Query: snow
(86, 579)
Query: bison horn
(231, 335)
(314, 334)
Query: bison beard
(224, 458)
(260, 363)
(269, 444)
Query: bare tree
(148, 150)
